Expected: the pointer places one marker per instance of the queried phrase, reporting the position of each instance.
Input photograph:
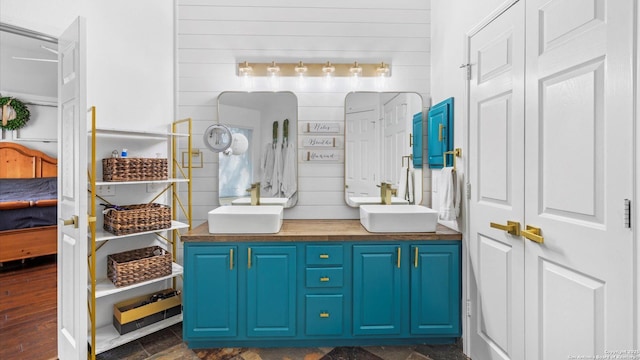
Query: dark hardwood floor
(28, 315)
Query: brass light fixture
(353, 69)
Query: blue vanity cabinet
(271, 291)
(321, 293)
(325, 301)
(211, 286)
(377, 289)
(435, 290)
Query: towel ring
(457, 152)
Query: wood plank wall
(213, 36)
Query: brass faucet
(255, 193)
(386, 192)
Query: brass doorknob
(533, 233)
(73, 221)
(512, 227)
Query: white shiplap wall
(214, 35)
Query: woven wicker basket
(129, 219)
(134, 169)
(134, 266)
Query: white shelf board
(105, 287)
(103, 235)
(107, 337)
(174, 180)
(137, 133)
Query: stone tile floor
(167, 345)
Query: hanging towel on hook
(449, 194)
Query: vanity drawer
(323, 314)
(324, 254)
(324, 277)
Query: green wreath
(21, 111)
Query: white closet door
(496, 174)
(362, 175)
(579, 123)
(72, 193)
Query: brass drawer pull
(324, 314)
(324, 256)
(324, 279)
(230, 259)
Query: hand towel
(448, 194)
(402, 183)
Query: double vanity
(254, 279)
(321, 283)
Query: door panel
(496, 174)
(573, 302)
(211, 279)
(271, 291)
(72, 197)
(576, 97)
(376, 290)
(361, 177)
(579, 128)
(495, 259)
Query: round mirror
(218, 138)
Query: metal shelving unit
(104, 338)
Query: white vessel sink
(372, 200)
(263, 201)
(398, 218)
(263, 219)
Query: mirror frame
(293, 130)
(346, 138)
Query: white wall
(450, 23)
(130, 61)
(214, 36)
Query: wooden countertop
(318, 230)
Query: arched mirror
(383, 147)
(268, 121)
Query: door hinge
(468, 308)
(468, 191)
(627, 213)
(467, 69)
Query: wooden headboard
(17, 161)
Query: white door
(397, 125)
(72, 194)
(579, 170)
(362, 175)
(496, 174)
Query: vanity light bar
(300, 68)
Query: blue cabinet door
(271, 291)
(210, 292)
(377, 290)
(440, 133)
(417, 140)
(435, 290)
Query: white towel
(448, 194)
(402, 183)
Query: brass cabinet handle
(512, 227)
(399, 257)
(415, 258)
(324, 314)
(230, 259)
(324, 256)
(440, 128)
(533, 233)
(324, 279)
(410, 140)
(249, 258)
